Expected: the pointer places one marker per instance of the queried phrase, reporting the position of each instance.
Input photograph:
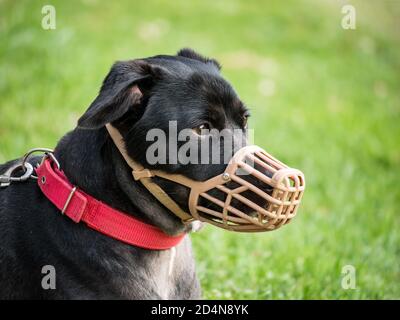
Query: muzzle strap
(145, 175)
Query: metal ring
(46, 151)
(43, 150)
(52, 156)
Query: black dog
(135, 97)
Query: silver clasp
(7, 177)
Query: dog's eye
(245, 119)
(202, 129)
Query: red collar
(80, 206)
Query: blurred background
(323, 98)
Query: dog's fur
(135, 97)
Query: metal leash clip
(27, 169)
(8, 177)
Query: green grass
(323, 99)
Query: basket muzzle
(259, 192)
(256, 192)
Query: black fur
(187, 88)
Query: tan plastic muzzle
(255, 193)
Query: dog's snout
(262, 185)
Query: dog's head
(187, 100)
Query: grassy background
(323, 99)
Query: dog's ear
(191, 54)
(123, 88)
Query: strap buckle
(71, 194)
(140, 174)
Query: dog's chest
(166, 274)
(162, 273)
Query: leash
(81, 207)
